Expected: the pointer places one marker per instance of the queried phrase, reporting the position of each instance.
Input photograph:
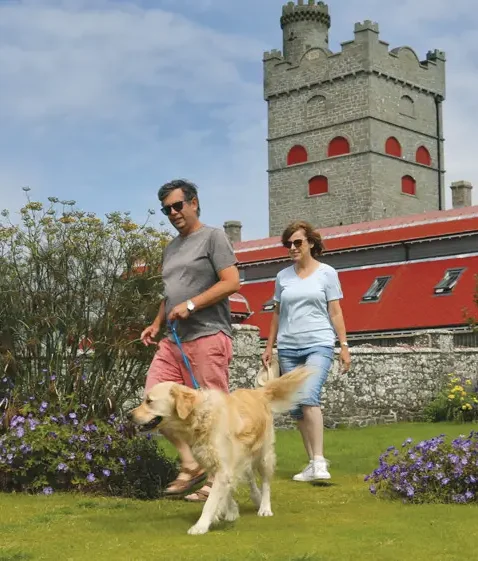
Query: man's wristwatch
(344, 344)
(190, 305)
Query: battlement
(310, 11)
(436, 55)
(367, 25)
(271, 55)
(314, 63)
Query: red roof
(407, 302)
(378, 232)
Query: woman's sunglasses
(178, 206)
(295, 243)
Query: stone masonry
(384, 385)
(365, 93)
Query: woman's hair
(311, 234)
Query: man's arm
(228, 284)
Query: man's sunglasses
(295, 243)
(178, 206)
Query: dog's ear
(184, 399)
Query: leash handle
(172, 327)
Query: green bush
(44, 453)
(458, 401)
(75, 293)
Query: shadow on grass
(15, 556)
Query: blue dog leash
(172, 327)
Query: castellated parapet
(312, 63)
(357, 99)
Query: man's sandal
(201, 495)
(181, 486)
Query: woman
(306, 320)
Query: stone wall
(384, 385)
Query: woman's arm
(337, 319)
(273, 329)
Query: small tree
(75, 292)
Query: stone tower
(353, 136)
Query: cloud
(101, 101)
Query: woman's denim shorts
(320, 359)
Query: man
(199, 273)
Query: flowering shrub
(458, 401)
(432, 471)
(75, 293)
(42, 453)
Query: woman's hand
(344, 358)
(267, 357)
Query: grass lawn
(327, 522)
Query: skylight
(448, 282)
(375, 291)
(269, 306)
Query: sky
(103, 101)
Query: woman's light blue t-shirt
(304, 319)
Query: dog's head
(163, 402)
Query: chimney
(233, 230)
(461, 194)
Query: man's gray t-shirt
(190, 266)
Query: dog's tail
(281, 392)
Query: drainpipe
(439, 132)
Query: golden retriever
(230, 435)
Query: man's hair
(189, 189)
(312, 235)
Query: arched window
(338, 146)
(409, 185)
(407, 107)
(297, 155)
(393, 147)
(423, 156)
(318, 185)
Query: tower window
(422, 156)
(269, 305)
(375, 291)
(393, 147)
(407, 107)
(318, 185)
(338, 146)
(409, 185)
(297, 155)
(448, 282)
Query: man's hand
(148, 335)
(179, 312)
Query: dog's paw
(265, 511)
(232, 513)
(198, 530)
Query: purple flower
(88, 457)
(53, 378)
(122, 461)
(90, 477)
(47, 491)
(106, 472)
(62, 467)
(20, 432)
(72, 415)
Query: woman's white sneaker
(307, 474)
(320, 469)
